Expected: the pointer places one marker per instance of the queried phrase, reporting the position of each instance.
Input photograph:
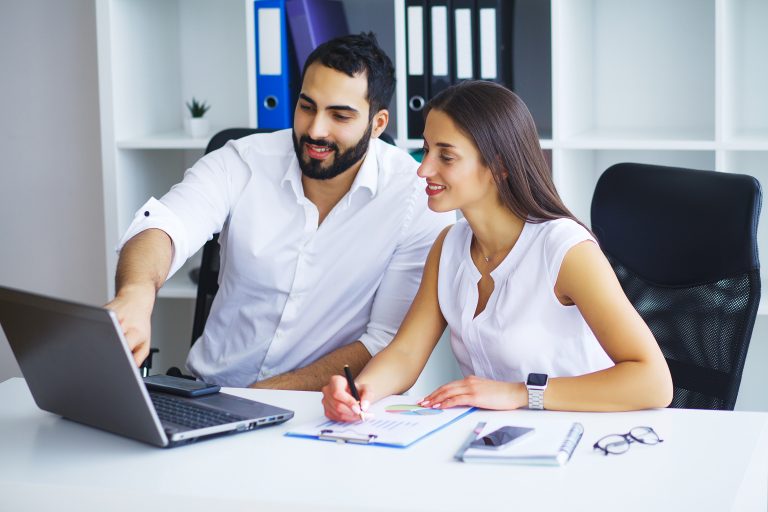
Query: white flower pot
(198, 127)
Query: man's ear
(380, 121)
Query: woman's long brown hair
(502, 128)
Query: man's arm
(141, 270)
(314, 376)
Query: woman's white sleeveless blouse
(524, 328)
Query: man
(324, 233)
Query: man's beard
(341, 161)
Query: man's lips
(318, 152)
(433, 189)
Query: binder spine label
(439, 15)
(488, 70)
(415, 41)
(270, 37)
(463, 20)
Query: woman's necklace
(488, 257)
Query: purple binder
(313, 22)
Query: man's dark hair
(355, 54)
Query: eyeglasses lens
(644, 435)
(614, 444)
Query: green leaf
(196, 108)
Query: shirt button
(146, 213)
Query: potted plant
(197, 125)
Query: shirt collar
(367, 176)
(293, 175)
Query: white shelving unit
(677, 83)
(680, 83)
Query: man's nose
(318, 128)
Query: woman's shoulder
(452, 242)
(560, 230)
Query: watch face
(537, 379)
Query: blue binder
(274, 104)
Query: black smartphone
(180, 386)
(501, 437)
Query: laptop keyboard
(180, 412)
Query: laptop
(77, 364)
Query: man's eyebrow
(307, 99)
(344, 107)
(330, 107)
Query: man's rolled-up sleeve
(192, 211)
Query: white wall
(51, 214)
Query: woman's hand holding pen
(338, 402)
(478, 392)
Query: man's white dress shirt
(292, 291)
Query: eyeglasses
(617, 444)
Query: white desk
(709, 461)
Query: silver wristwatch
(536, 384)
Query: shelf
(640, 139)
(621, 64)
(169, 140)
(165, 53)
(745, 80)
(756, 139)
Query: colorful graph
(412, 410)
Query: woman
(522, 285)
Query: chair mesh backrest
(702, 331)
(683, 244)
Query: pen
(353, 389)
(471, 437)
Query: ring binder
(464, 51)
(441, 38)
(417, 85)
(494, 40)
(274, 69)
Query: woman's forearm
(629, 385)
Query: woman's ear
(504, 171)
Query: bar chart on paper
(414, 410)
(394, 421)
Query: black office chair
(683, 244)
